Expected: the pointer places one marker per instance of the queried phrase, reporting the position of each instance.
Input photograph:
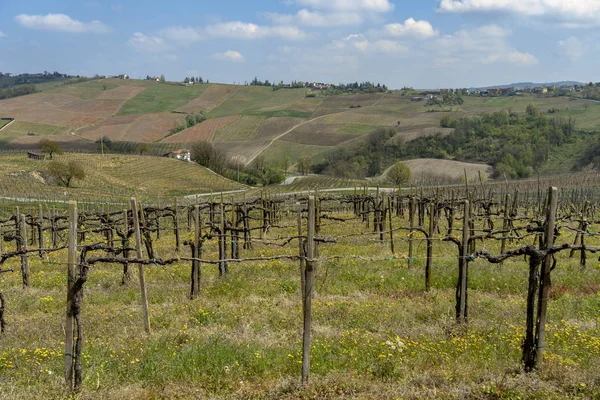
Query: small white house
(181, 154)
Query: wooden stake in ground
(71, 264)
(429, 260)
(545, 277)
(461, 312)
(311, 266)
(24, 257)
(139, 253)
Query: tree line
(515, 145)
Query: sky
(415, 43)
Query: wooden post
(545, 278)
(389, 202)
(301, 252)
(127, 274)
(70, 320)
(411, 221)
(139, 254)
(223, 268)
(461, 312)
(505, 224)
(311, 265)
(429, 247)
(40, 231)
(195, 289)
(176, 225)
(24, 247)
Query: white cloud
(307, 17)
(60, 22)
(181, 34)
(486, 44)
(572, 13)
(512, 57)
(147, 44)
(2, 34)
(229, 55)
(570, 48)
(378, 6)
(420, 29)
(244, 30)
(363, 45)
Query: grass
(281, 113)
(84, 90)
(4, 122)
(161, 97)
(110, 177)
(376, 333)
(280, 149)
(357, 129)
(245, 128)
(23, 128)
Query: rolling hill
(245, 121)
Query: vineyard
(108, 178)
(486, 291)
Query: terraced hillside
(246, 121)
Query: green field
(245, 128)
(4, 122)
(280, 149)
(357, 129)
(161, 97)
(19, 129)
(85, 90)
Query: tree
(143, 148)
(50, 147)
(399, 174)
(285, 165)
(162, 78)
(304, 165)
(66, 172)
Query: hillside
(110, 178)
(245, 121)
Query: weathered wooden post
(411, 221)
(545, 278)
(389, 202)
(24, 248)
(70, 320)
(176, 225)
(40, 231)
(429, 247)
(196, 273)
(505, 224)
(139, 254)
(311, 265)
(463, 271)
(301, 252)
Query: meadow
(376, 332)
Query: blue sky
(419, 43)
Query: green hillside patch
(243, 100)
(22, 128)
(245, 128)
(161, 97)
(357, 129)
(280, 149)
(281, 113)
(84, 90)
